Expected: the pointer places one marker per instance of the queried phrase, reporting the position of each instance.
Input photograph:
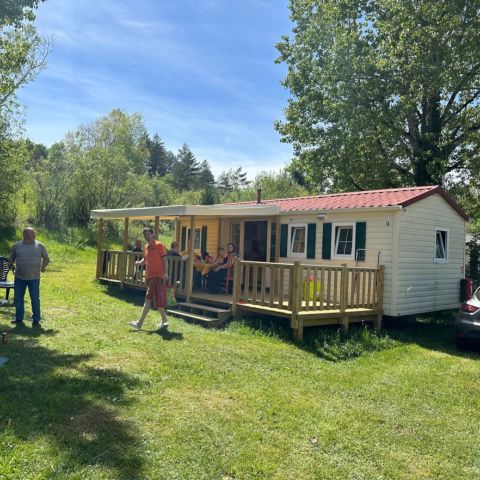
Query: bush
(334, 345)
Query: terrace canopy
(174, 212)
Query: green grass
(86, 398)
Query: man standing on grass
(155, 258)
(30, 258)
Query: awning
(173, 211)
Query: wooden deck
(307, 294)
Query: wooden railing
(177, 269)
(264, 283)
(298, 287)
(120, 266)
(287, 287)
(111, 264)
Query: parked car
(467, 322)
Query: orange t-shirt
(154, 259)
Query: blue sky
(199, 71)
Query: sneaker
(135, 325)
(17, 322)
(162, 325)
(35, 324)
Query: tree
(205, 177)
(160, 161)
(186, 169)
(232, 179)
(13, 156)
(15, 11)
(279, 184)
(38, 153)
(384, 93)
(109, 158)
(22, 57)
(52, 180)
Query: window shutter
(283, 240)
(203, 242)
(311, 239)
(183, 242)
(360, 240)
(327, 241)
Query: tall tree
(232, 179)
(52, 178)
(109, 159)
(22, 57)
(205, 176)
(384, 93)
(160, 161)
(186, 169)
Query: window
(343, 244)
(297, 241)
(197, 239)
(441, 245)
(235, 234)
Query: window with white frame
(343, 240)
(235, 234)
(297, 240)
(197, 239)
(441, 245)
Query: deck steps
(202, 319)
(203, 314)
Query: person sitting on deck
(218, 276)
(173, 252)
(138, 246)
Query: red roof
(368, 198)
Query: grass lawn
(87, 398)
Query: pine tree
(160, 161)
(232, 179)
(205, 176)
(186, 169)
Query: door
(255, 241)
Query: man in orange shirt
(155, 258)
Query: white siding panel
(421, 284)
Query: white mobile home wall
(379, 241)
(421, 285)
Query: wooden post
(237, 265)
(157, 227)
(189, 271)
(220, 234)
(378, 317)
(123, 267)
(344, 296)
(177, 231)
(296, 322)
(100, 253)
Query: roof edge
(444, 194)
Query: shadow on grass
(129, 295)
(59, 397)
(166, 334)
(433, 332)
